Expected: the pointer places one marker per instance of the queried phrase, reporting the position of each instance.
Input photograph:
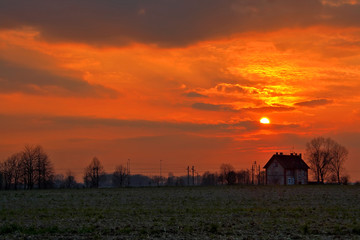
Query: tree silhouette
(37, 167)
(325, 156)
(340, 154)
(120, 176)
(227, 171)
(243, 177)
(11, 170)
(209, 179)
(30, 168)
(28, 158)
(93, 172)
(70, 181)
(43, 168)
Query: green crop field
(250, 212)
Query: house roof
(292, 161)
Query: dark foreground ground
(293, 212)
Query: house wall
(301, 176)
(291, 177)
(275, 174)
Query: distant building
(286, 169)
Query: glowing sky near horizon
(181, 81)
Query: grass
(237, 212)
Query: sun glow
(265, 120)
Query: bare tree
(228, 173)
(171, 179)
(221, 179)
(339, 155)
(345, 179)
(30, 167)
(59, 181)
(69, 180)
(243, 177)
(18, 169)
(158, 180)
(209, 179)
(5, 175)
(12, 170)
(93, 172)
(326, 156)
(28, 158)
(44, 173)
(7, 172)
(120, 175)
(318, 152)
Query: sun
(265, 120)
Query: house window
(291, 181)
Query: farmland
(237, 212)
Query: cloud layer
(314, 103)
(167, 23)
(16, 78)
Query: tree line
(32, 168)
(27, 169)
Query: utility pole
(197, 178)
(160, 173)
(128, 169)
(193, 176)
(188, 171)
(252, 174)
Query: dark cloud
(33, 123)
(314, 103)
(166, 22)
(343, 14)
(230, 89)
(16, 78)
(194, 95)
(270, 109)
(212, 107)
(222, 107)
(24, 123)
(146, 124)
(188, 127)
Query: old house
(286, 169)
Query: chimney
(300, 155)
(281, 153)
(291, 154)
(277, 153)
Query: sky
(184, 82)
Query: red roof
(292, 161)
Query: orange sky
(181, 81)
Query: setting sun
(265, 120)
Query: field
(251, 212)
